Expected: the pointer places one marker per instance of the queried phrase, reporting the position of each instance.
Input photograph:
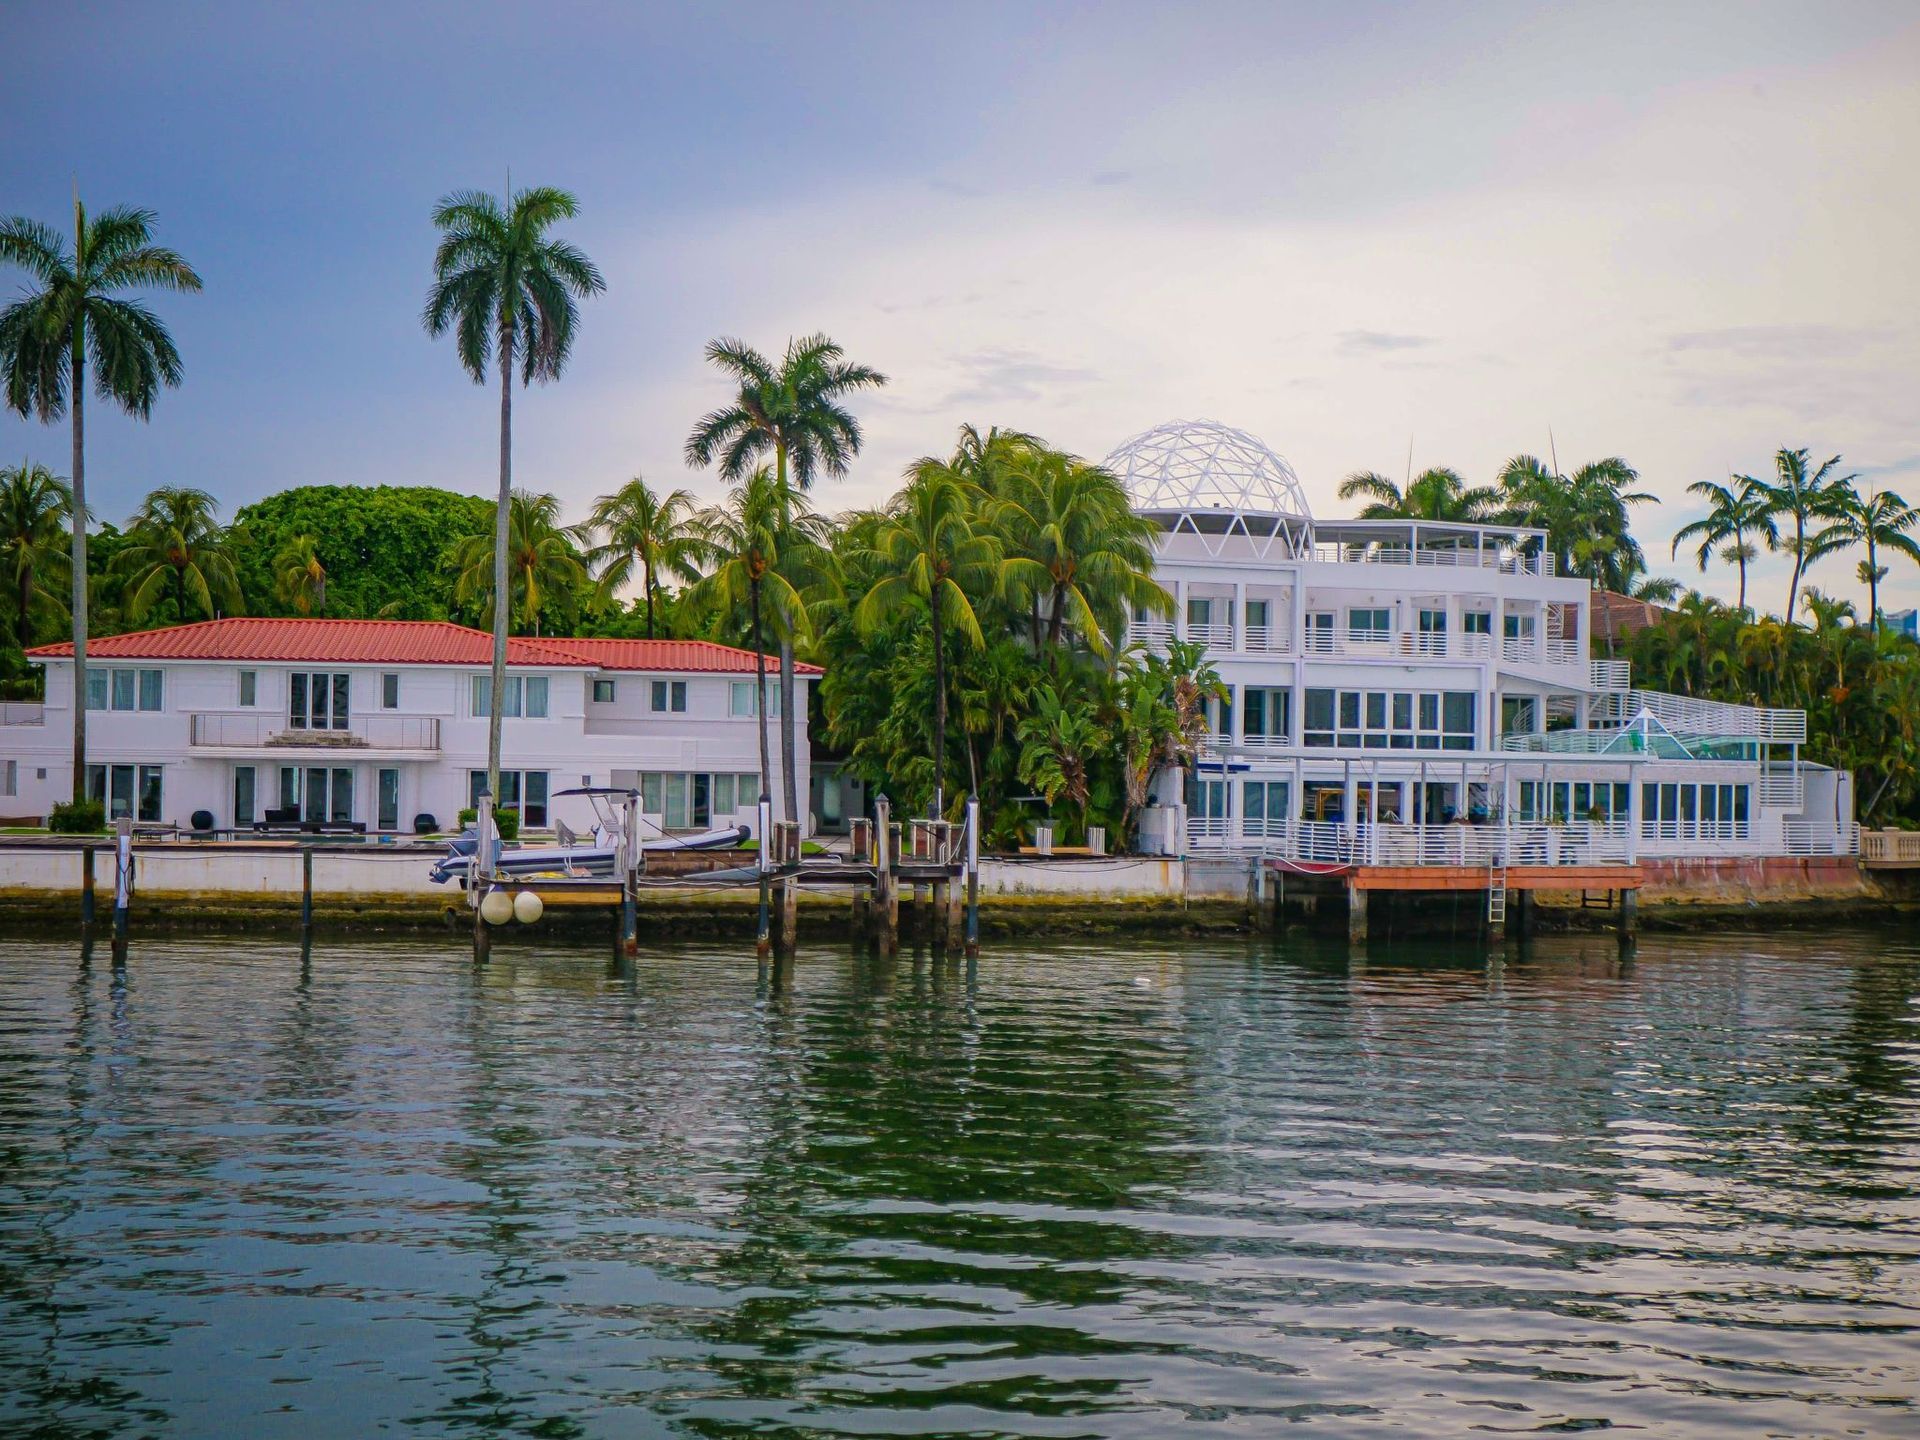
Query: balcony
(22, 712)
(1504, 562)
(229, 730)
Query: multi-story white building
(1394, 682)
(384, 722)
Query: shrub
(507, 820)
(77, 817)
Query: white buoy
(496, 907)
(527, 907)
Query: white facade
(381, 743)
(1396, 684)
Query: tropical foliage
(177, 551)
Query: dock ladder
(1497, 891)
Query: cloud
(1373, 341)
(1784, 342)
(994, 377)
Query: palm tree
(175, 546)
(1080, 553)
(34, 507)
(1805, 499)
(300, 579)
(507, 289)
(541, 561)
(1828, 612)
(1436, 494)
(660, 535)
(1878, 520)
(794, 413)
(47, 339)
(747, 536)
(928, 550)
(1584, 515)
(1057, 744)
(1734, 511)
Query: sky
(1680, 233)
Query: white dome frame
(1202, 478)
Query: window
(10, 778)
(522, 790)
(603, 692)
(130, 790)
(389, 800)
(123, 683)
(244, 778)
(1320, 632)
(124, 689)
(96, 689)
(1694, 812)
(1389, 719)
(1209, 799)
(1518, 627)
(249, 687)
(695, 800)
(1477, 622)
(523, 695)
(1256, 614)
(1585, 800)
(1263, 807)
(150, 690)
(318, 792)
(1433, 622)
(1518, 714)
(318, 701)
(1199, 610)
(1266, 713)
(1371, 624)
(740, 698)
(390, 692)
(670, 695)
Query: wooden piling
(886, 897)
(122, 876)
(973, 876)
(763, 933)
(633, 858)
(1356, 914)
(306, 890)
(86, 887)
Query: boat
(594, 855)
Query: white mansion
(1395, 682)
(382, 723)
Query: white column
(1239, 641)
(1180, 608)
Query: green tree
(507, 290)
(748, 535)
(1437, 494)
(74, 317)
(301, 576)
(1808, 499)
(658, 535)
(795, 413)
(176, 548)
(541, 563)
(1058, 742)
(1076, 549)
(928, 552)
(1584, 515)
(1879, 520)
(34, 508)
(1739, 517)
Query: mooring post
(306, 890)
(885, 897)
(480, 873)
(956, 862)
(86, 887)
(633, 858)
(763, 935)
(122, 875)
(1259, 913)
(1356, 914)
(860, 847)
(789, 886)
(1629, 922)
(973, 876)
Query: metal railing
(1804, 837)
(1612, 674)
(22, 712)
(1389, 843)
(1154, 634)
(1271, 639)
(1506, 562)
(1782, 787)
(232, 730)
(1215, 635)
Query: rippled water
(1075, 1193)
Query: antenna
(1409, 461)
(1553, 453)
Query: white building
(1391, 679)
(384, 722)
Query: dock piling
(973, 876)
(122, 877)
(763, 934)
(633, 856)
(886, 896)
(306, 891)
(86, 887)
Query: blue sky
(1681, 233)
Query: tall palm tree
(928, 551)
(1735, 511)
(507, 290)
(794, 413)
(1080, 554)
(659, 535)
(34, 507)
(1436, 494)
(300, 577)
(175, 546)
(1058, 741)
(748, 535)
(1879, 520)
(541, 561)
(1807, 499)
(1584, 515)
(47, 340)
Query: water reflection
(336, 1188)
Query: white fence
(1368, 843)
(1506, 562)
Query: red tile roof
(401, 642)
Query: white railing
(1803, 837)
(1783, 788)
(1695, 832)
(22, 712)
(1268, 638)
(1423, 644)
(1154, 634)
(1530, 650)
(1215, 636)
(228, 730)
(1612, 674)
(1506, 562)
(1684, 715)
(1367, 843)
(1890, 847)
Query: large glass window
(123, 689)
(1370, 624)
(522, 790)
(670, 695)
(318, 701)
(1389, 719)
(243, 807)
(741, 697)
(521, 696)
(682, 800)
(1477, 622)
(96, 689)
(129, 790)
(1266, 713)
(1263, 807)
(389, 800)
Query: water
(1186, 1189)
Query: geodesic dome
(1203, 478)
